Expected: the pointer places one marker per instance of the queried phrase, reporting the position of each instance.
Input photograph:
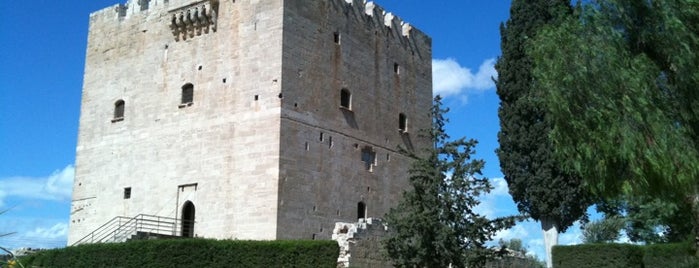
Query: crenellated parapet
(388, 19)
(379, 17)
(194, 19)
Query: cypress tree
(539, 186)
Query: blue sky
(42, 51)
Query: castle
(247, 119)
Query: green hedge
(679, 255)
(192, 253)
(598, 256)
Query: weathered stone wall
(226, 141)
(328, 46)
(360, 243)
(263, 151)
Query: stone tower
(256, 119)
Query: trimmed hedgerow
(598, 256)
(192, 253)
(679, 255)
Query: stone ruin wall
(360, 243)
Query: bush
(598, 256)
(192, 253)
(679, 255)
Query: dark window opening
(187, 95)
(143, 4)
(361, 210)
(257, 97)
(369, 158)
(345, 99)
(336, 37)
(402, 123)
(118, 110)
(322, 136)
(396, 68)
(127, 193)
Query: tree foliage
(622, 80)
(435, 225)
(605, 230)
(513, 244)
(650, 220)
(537, 183)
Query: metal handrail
(120, 228)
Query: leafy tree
(605, 230)
(435, 225)
(621, 80)
(651, 220)
(537, 183)
(513, 244)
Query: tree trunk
(694, 199)
(550, 229)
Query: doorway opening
(188, 219)
(361, 210)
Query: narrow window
(396, 68)
(118, 111)
(402, 123)
(361, 210)
(345, 99)
(322, 136)
(127, 193)
(336, 37)
(187, 95)
(369, 158)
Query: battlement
(190, 16)
(386, 18)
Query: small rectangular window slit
(127, 193)
(336, 37)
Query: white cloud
(572, 236)
(499, 187)
(57, 231)
(450, 78)
(58, 186)
(497, 203)
(518, 231)
(34, 233)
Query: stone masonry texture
(264, 149)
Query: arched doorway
(188, 219)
